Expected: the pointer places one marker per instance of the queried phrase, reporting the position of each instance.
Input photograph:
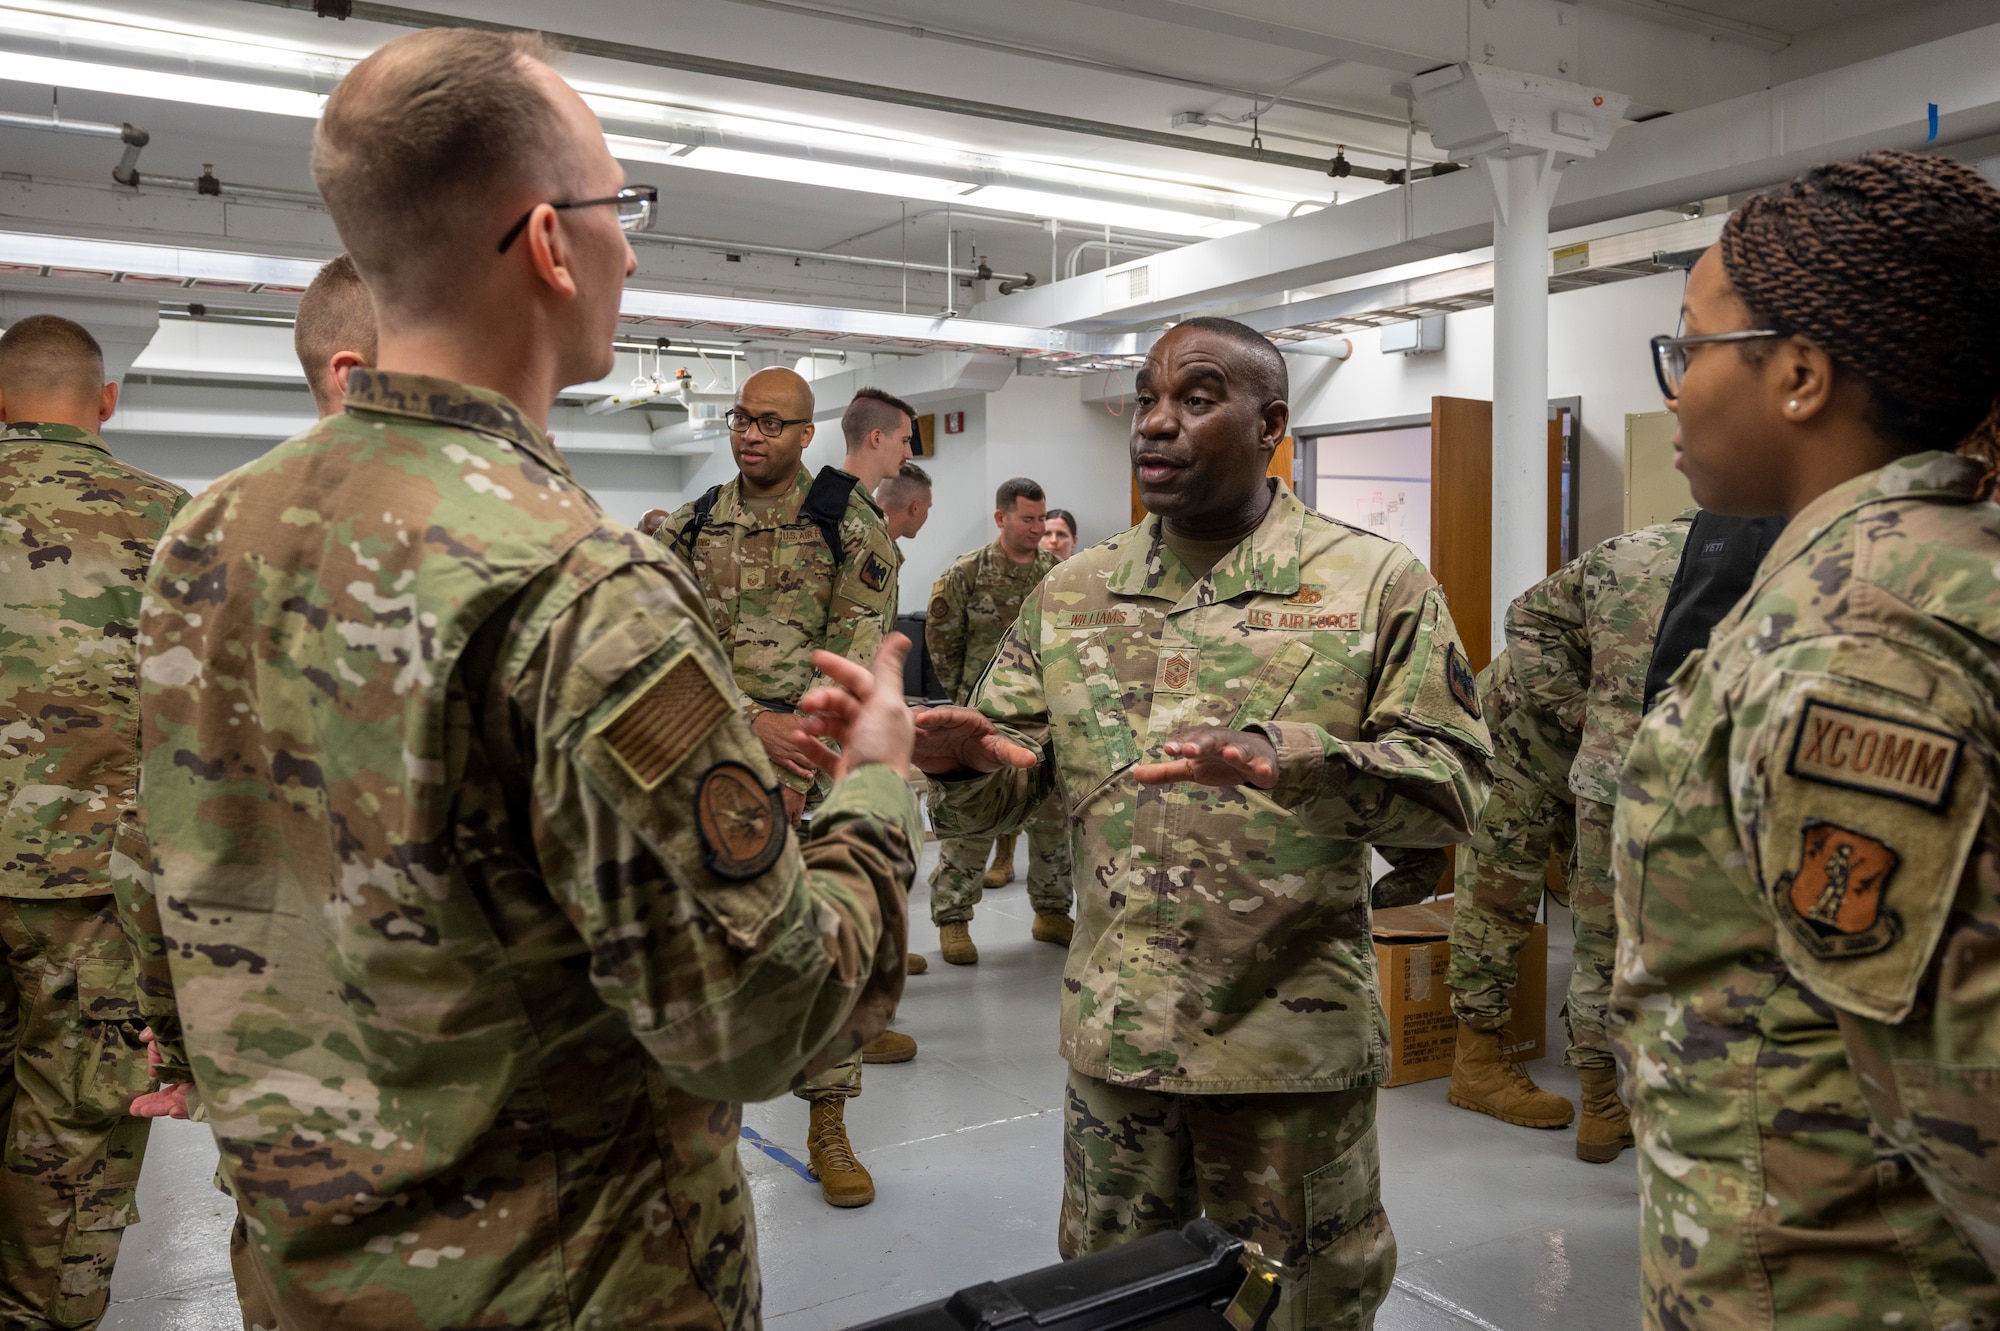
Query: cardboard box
(1412, 955)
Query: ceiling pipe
(980, 273)
(207, 183)
(770, 76)
(131, 136)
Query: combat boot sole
(1518, 1120)
(1602, 1153)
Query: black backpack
(825, 507)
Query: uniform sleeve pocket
(654, 754)
(1872, 802)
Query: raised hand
(961, 739)
(1210, 756)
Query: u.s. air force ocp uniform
(775, 594)
(1578, 646)
(1807, 973)
(1219, 1009)
(77, 528)
(482, 905)
(973, 604)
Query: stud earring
(1793, 405)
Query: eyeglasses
(739, 421)
(637, 206)
(1670, 354)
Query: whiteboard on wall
(1380, 481)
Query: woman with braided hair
(1808, 979)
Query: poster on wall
(1379, 481)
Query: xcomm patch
(659, 725)
(1842, 746)
(742, 821)
(1833, 901)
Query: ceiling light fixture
(88, 77)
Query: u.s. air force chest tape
(659, 745)
(1873, 801)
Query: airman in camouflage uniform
(1808, 850)
(483, 910)
(775, 593)
(77, 528)
(973, 604)
(1805, 879)
(1219, 1014)
(1578, 645)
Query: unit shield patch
(742, 821)
(1833, 901)
(1459, 675)
(875, 573)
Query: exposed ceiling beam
(1287, 37)
(769, 75)
(1745, 143)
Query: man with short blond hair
(77, 528)
(486, 915)
(905, 501)
(334, 332)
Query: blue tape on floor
(1932, 137)
(779, 1153)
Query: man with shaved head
(77, 528)
(334, 333)
(485, 911)
(1233, 700)
(792, 563)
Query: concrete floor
(1499, 1227)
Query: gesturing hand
(167, 1101)
(961, 739)
(1210, 756)
(866, 715)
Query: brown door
(1462, 517)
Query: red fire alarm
(954, 422)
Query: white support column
(1524, 129)
(1524, 184)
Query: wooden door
(1462, 517)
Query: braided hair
(1891, 264)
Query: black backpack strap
(703, 506)
(826, 507)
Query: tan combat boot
(1487, 1083)
(915, 964)
(1052, 928)
(1001, 872)
(1605, 1128)
(842, 1180)
(955, 941)
(889, 1047)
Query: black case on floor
(920, 678)
(1166, 1282)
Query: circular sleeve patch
(742, 821)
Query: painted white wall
(1597, 351)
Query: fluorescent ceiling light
(895, 184)
(84, 76)
(74, 24)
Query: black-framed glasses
(1670, 354)
(769, 425)
(637, 205)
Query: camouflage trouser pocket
(90, 1248)
(111, 1070)
(1350, 1251)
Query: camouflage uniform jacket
(973, 604)
(77, 529)
(773, 592)
(1808, 889)
(1221, 936)
(483, 906)
(1582, 638)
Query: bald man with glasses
(790, 562)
